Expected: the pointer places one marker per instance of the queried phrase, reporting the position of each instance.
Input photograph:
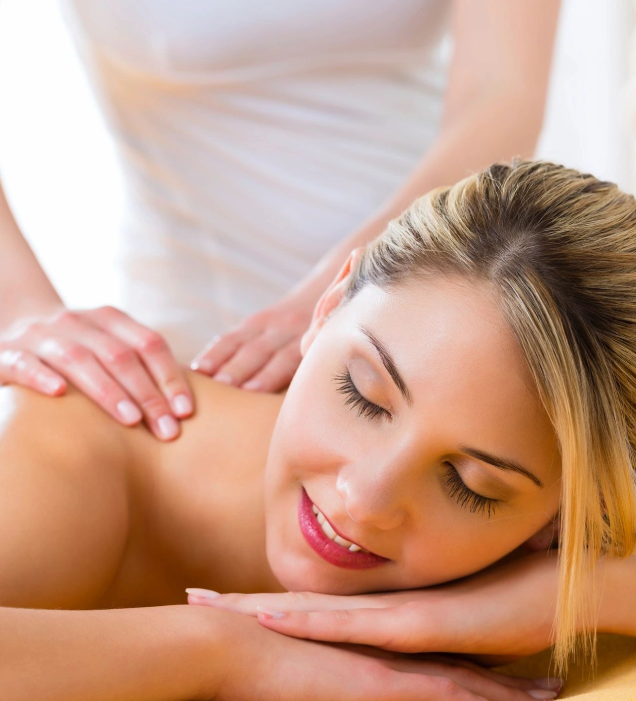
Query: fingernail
(129, 412)
(202, 365)
(548, 682)
(269, 613)
(51, 384)
(542, 694)
(168, 426)
(252, 384)
(224, 377)
(182, 404)
(202, 593)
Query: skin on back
(95, 515)
(63, 500)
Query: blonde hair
(559, 248)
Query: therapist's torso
(253, 136)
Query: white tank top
(253, 136)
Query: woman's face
(406, 403)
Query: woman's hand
(262, 353)
(252, 662)
(125, 368)
(498, 614)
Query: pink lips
(328, 549)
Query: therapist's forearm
(491, 128)
(24, 287)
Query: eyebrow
(502, 464)
(389, 364)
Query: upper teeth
(330, 533)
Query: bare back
(95, 515)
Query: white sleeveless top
(253, 136)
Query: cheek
(308, 437)
(298, 446)
(457, 546)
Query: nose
(372, 502)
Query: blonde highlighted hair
(559, 248)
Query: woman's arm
(505, 610)
(126, 654)
(64, 515)
(493, 110)
(617, 581)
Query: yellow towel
(615, 678)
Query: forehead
(419, 318)
(459, 357)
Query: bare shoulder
(63, 499)
(229, 410)
(231, 429)
(25, 413)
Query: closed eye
(355, 400)
(465, 497)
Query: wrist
(207, 633)
(29, 310)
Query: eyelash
(354, 399)
(464, 496)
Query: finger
(279, 371)
(125, 367)
(398, 628)
(155, 353)
(80, 366)
(220, 349)
(472, 680)
(516, 682)
(416, 687)
(23, 368)
(378, 681)
(289, 601)
(251, 357)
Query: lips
(328, 549)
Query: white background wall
(61, 176)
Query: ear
(548, 535)
(330, 298)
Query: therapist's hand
(494, 616)
(124, 367)
(262, 353)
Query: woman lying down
(467, 379)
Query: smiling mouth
(335, 549)
(329, 531)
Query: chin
(298, 573)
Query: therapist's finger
(77, 363)
(220, 349)
(278, 372)
(251, 357)
(154, 352)
(23, 368)
(126, 368)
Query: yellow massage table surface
(615, 678)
